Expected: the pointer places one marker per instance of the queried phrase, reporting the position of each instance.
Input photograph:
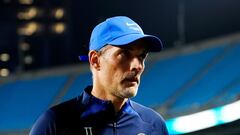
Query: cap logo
(131, 24)
(134, 26)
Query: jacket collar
(95, 105)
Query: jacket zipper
(115, 128)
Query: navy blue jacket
(88, 115)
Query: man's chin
(130, 92)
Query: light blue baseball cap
(119, 31)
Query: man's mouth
(134, 80)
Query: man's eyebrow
(127, 47)
(131, 48)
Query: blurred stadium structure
(194, 83)
(39, 34)
(177, 82)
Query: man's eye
(143, 56)
(125, 53)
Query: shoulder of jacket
(66, 108)
(147, 114)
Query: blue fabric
(120, 30)
(88, 115)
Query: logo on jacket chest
(88, 130)
(141, 134)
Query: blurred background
(40, 41)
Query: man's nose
(137, 64)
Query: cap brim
(154, 44)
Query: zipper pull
(115, 124)
(115, 128)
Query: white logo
(141, 134)
(131, 24)
(88, 130)
(134, 26)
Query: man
(117, 52)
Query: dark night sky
(203, 19)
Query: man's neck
(116, 101)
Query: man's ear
(94, 59)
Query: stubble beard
(128, 92)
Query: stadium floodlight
(4, 57)
(58, 28)
(24, 46)
(29, 13)
(25, 2)
(4, 72)
(58, 13)
(28, 59)
(29, 29)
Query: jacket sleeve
(45, 124)
(160, 126)
(164, 128)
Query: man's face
(121, 69)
